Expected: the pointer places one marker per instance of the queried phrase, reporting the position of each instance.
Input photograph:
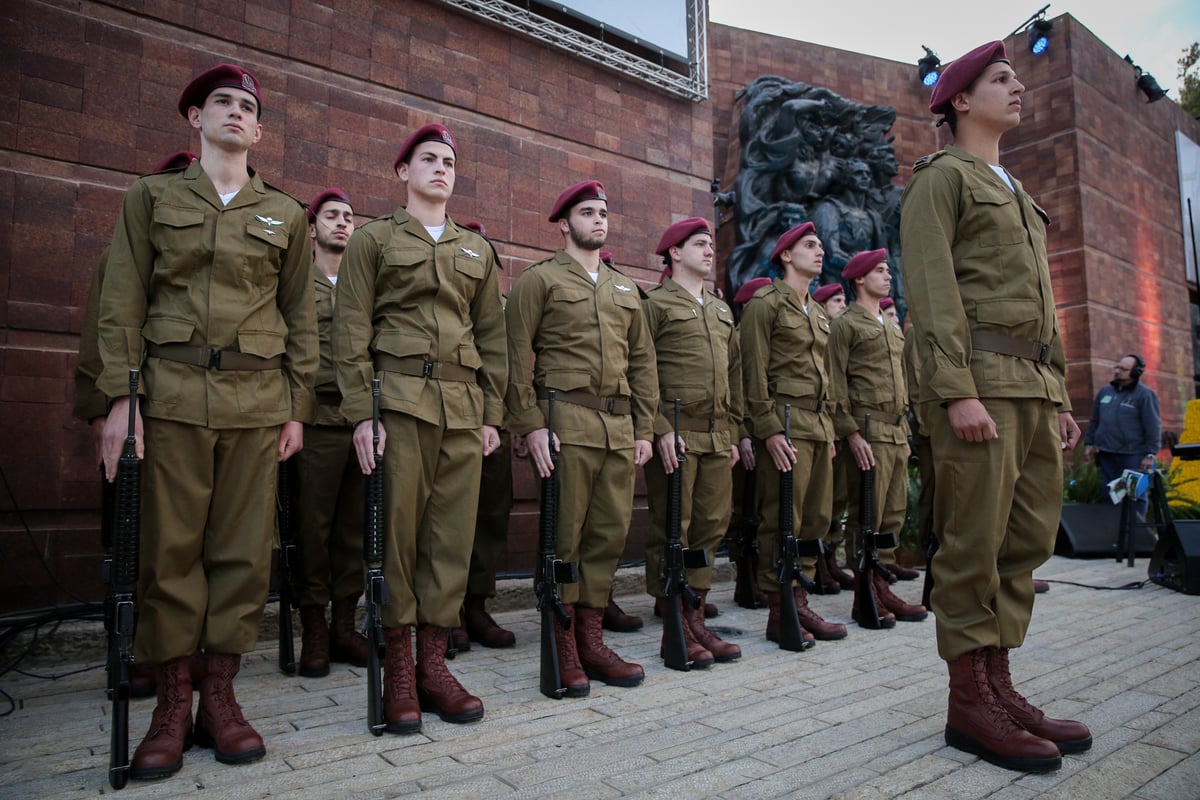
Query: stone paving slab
(857, 719)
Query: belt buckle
(214, 358)
(1043, 353)
(712, 425)
(609, 404)
(427, 369)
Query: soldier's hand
(538, 442)
(860, 448)
(666, 451)
(733, 456)
(746, 446)
(971, 421)
(291, 439)
(642, 450)
(116, 428)
(1069, 430)
(491, 439)
(364, 446)
(782, 452)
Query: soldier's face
(994, 100)
(890, 314)
(694, 256)
(587, 224)
(335, 222)
(878, 282)
(429, 172)
(835, 305)
(229, 119)
(805, 256)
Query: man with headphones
(1125, 427)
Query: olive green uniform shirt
(866, 369)
(329, 399)
(90, 402)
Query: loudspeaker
(1089, 530)
(1175, 562)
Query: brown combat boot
(721, 650)
(401, 711)
(599, 662)
(824, 580)
(977, 723)
(843, 578)
(198, 667)
(219, 722)
(314, 642)
(617, 620)
(481, 627)
(347, 645)
(886, 618)
(773, 613)
(905, 612)
(1067, 734)
(813, 622)
(437, 688)
(699, 656)
(902, 572)
(161, 752)
(573, 678)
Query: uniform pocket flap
(407, 257)
(468, 356)
(1008, 312)
(167, 330)
(627, 299)
(471, 267)
(568, 379)
(992, 196)
(266, 344)
(570, 294)
(272, 235)
(175, 217)
(401, 344)
(678, 314)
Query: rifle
(126, 530)
(791, 637)
(677, 559)
(747, 560)
(870, 542)
(374, 532)
(551, 571)
(285, 503)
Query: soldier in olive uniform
(867, 371)
(994, 399)
(419, 306)
(783, 336)
(700, 364)
(207, 291)
(329, 483)
(576, 326)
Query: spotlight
(1146, 83)
(929, 68)
(1039, 35)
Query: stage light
(1039, 35)
(929, 68)
(1146, 83)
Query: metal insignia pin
(268, 231)
(268, 220)
(469, 252)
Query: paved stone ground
(861, 718)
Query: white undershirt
(1000, 171)
(436, 233)
(332, 279)
(225, 198)
(595, 277)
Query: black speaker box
(1089, 530)
(1175, 562)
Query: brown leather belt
(806, 403)
(1009, 346)
(877, 414)
(329, 398)
(420, 368)
(212, 358)
(609, 405)
(702, 424)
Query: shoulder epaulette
(925, 161)
(302, 204)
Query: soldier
(330, 485)
(866, 367)
(207, 291)
(783, 336)
(419, 306)
(832, 298)
(700, 363)
(887, 307)
(576, 326)
(994, 399)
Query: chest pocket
(569, 294)
(178, 234)
(999, 207)
(404, 273)
(471, 267)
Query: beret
(574, 195)
(862, 263)
(196, 92)
(607, 257)
(433, 132)
(475, 225)
(962, 72)
(680, 232)
(175, 161)
(886, 303)
(791, 237)
(332, 193)
(827, 291)
(748, 289)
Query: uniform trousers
(491, 521)
(330, 495)
(432, 488)
(595, 506)
(812, 489)
(996, 507)
(837, 516)
(706, 500)
(924, 453)
(208, 522)
(891, 498)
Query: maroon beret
(749, 288)
(885, 303)
(175, 161)
(475, 225)
(962, 72)
(433, 132)
(574, 195)
(332, 193)
(607, 257)
(863, 263)
(791, 237)
(196, 92)
(680, 232)
(827, 291)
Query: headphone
(1139, 366)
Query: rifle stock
(868, 559)
(677, 559)
(126, 531)
(285, 502)
(747, 542)
(374, 533)
(551, 572)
